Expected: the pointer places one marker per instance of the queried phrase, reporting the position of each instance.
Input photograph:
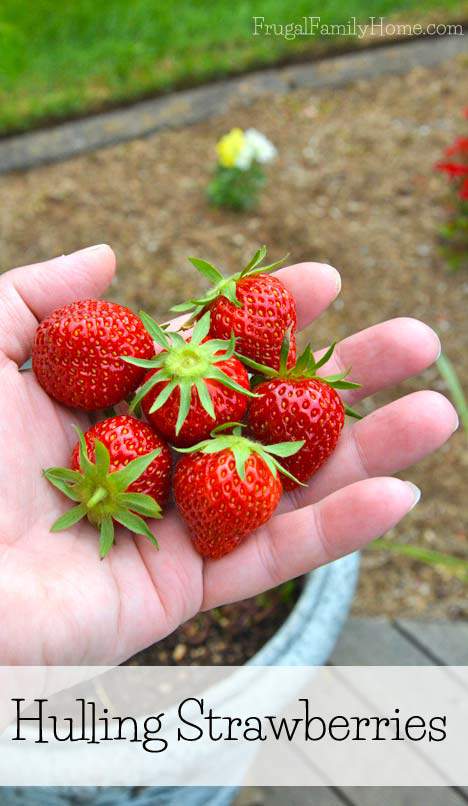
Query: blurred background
(354, 184)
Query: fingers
(296, 542)
(30, 293)
(383, 355)
(388, 440)
(314, 286)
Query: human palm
(61, 605)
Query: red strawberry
(76, 353)
(126, 438)
(193, 385)
(119, 470)
(226, 488)
(296, 404)
(257, 308)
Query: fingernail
(416, 493)
(440, 348)
(89, 249)
(336, 275)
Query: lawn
(63, 59)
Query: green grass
(59, 59)
(449, 374)
(456, 566)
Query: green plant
(455, 565)
(235, 189)
(239, 175)
(454, 234)
(447, 370)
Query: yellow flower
(229, 147)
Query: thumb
(30, 293)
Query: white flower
(245, 157)
(263, 150)
(255, 148)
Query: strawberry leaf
(185, 388)
(218, 375)
(241, 454)
(230, 292)
(62, 474)
(201, 329)
(106, 538)
(284, 448)
(253, 267)
(177, 340)
(147, 363)
(69, 518)
(270, 267)
(305, 364)
(270, 462)
(183, 307)
(164, 395)
(140, 503)
(285, 472)
(207, 270)
(146, 387)
(102, 457)
(255, 261)
(341, 384)
(351, 413)
(326, 356)
(284, 352)
(123, 478)
(220, 349)
(63, 486)
(156, 332)
(135, 524)
(261, 369)
(205, 398)
(85, 464)
(236, 428)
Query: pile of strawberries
(224, 389)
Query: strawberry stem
(101, 495)
(305, 367)
(224, 286)
(242, 447)
(186, 365)
(98, 496)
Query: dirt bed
(354, 186)
(227, 636)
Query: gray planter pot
(306, 638)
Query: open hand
(59, 605)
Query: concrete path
(183, 108)
(380, 642)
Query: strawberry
(119, 470)
(193, 385)
(297, 404)
(257, 308)
(76, 353)
(226, 487)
